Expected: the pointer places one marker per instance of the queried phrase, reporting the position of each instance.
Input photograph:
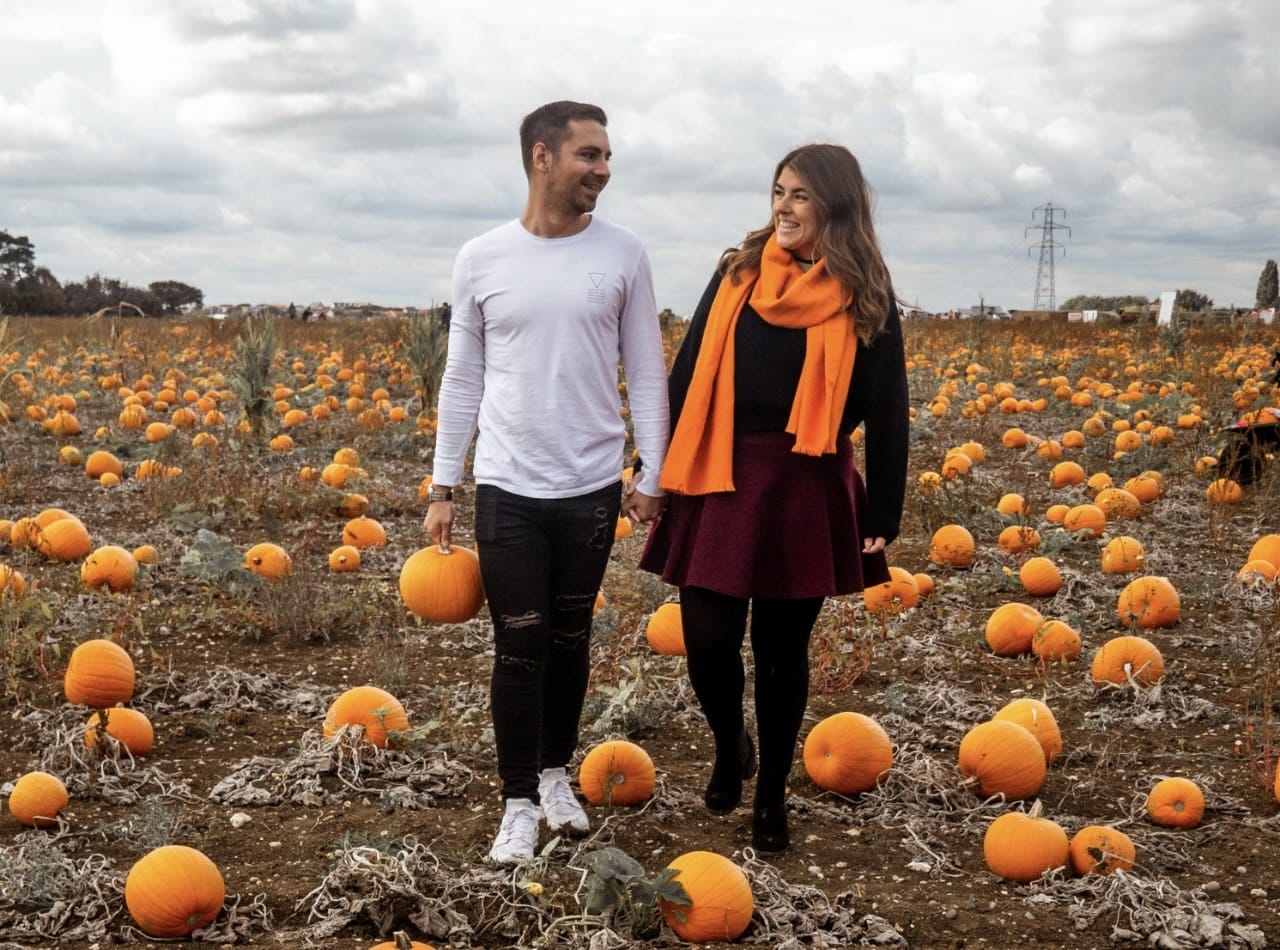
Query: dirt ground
(338, 846)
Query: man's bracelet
(439, 493)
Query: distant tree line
(26, 288)
(1268, 295)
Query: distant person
(795, 343)
(306, 315)
(446, 314)
(547, 304)
(293, 311)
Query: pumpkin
(1012, 504)
(24, 533)
(1055, 514)
(847, 753)
(344, 558)
(1055, 640)
(1002, 758)
(1266, 548)
(1064, 474)
(346, 456)
(1257, 572)
(1118, 503)
(1086, 521)
(924, 583)
(99, 674)
(1010, 628)
(146, 554)
(66, 539)
(281, 443)
(173, 891)
(353, 505)
(1149, 602)
(623, 528)
(1036, 717)
(1176, 802)
(1122, 555)
(1014, 438)
(36, 799)
(109, 566)
(896, 594)
(665, 631)
(720, 903)
(1040, 577)
(617, 772)
(100, 462)
(1144, 487)
(268, 560)
(131, 728)
(380, 713)
(952, 546)
(1017, 538)
(1097, 849)
(401, 941)
(364, 532)
(1098, 482)
(1022, 846)
(1122, 658)
(1224, 491)
(444, 588)
(12, 582)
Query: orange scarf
(700, 457)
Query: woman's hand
(873, 545)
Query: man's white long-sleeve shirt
(537, 330)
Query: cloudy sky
(321, 150)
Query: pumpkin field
(244, 701)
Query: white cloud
(320, 149)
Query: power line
(1048, 251)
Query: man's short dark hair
(549, 125)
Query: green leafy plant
(250, 372)
(618, 891)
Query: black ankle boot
(769, 829)
(724, 790)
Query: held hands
(639, 507)
(439, 523)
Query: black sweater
(767, 364)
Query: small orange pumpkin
(896, 594)
(445, 588)
(617, 772)
(99, 674)
(173, 891)
(720, 903)
(1122, 555)
(1040, 577)
(1266, 548)
(952, 545)
(1022, 846)
(380, 713)
(401, 941)
(1055, 640)
(665, 630)
(268, 560)
(1037, 718)
(130, 727)
(1017, 538)
(1098, 849)
(344, 558)
(1011, 627)
(36, 799)
(847, 753)
(100, 462)
(1086, 521)
(66, 539)
(364, 532)
(1176, 802)
(1118, 503)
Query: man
(543, 307)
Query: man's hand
(439, 523)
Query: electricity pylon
(1048, 251)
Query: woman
(795, 342)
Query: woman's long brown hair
(846, 233)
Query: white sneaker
(560, 805)
(518, 835)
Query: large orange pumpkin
(1149, 602)
(952, 546)
(268, 560)
(36, 799)
(1086, 521)
(380, 713)
(1040, 577)
(364, 532)
(173, 891)
(1122, 555)
(847, 753)
(1055, 640)
(1021, 847)
(665, 630)
(66, 539)
(1011, 627)
(445, 588)
(896, 594)
(1266, 548)
(1003, 758)
(720, 903)
(1122, 658)
(99, 674)
(109, 566)
(617, 772)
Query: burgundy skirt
(788, 530)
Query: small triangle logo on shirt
(596, 279)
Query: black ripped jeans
(542, 561)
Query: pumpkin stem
(1036, 808)
(402, 940)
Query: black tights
(714, 628)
